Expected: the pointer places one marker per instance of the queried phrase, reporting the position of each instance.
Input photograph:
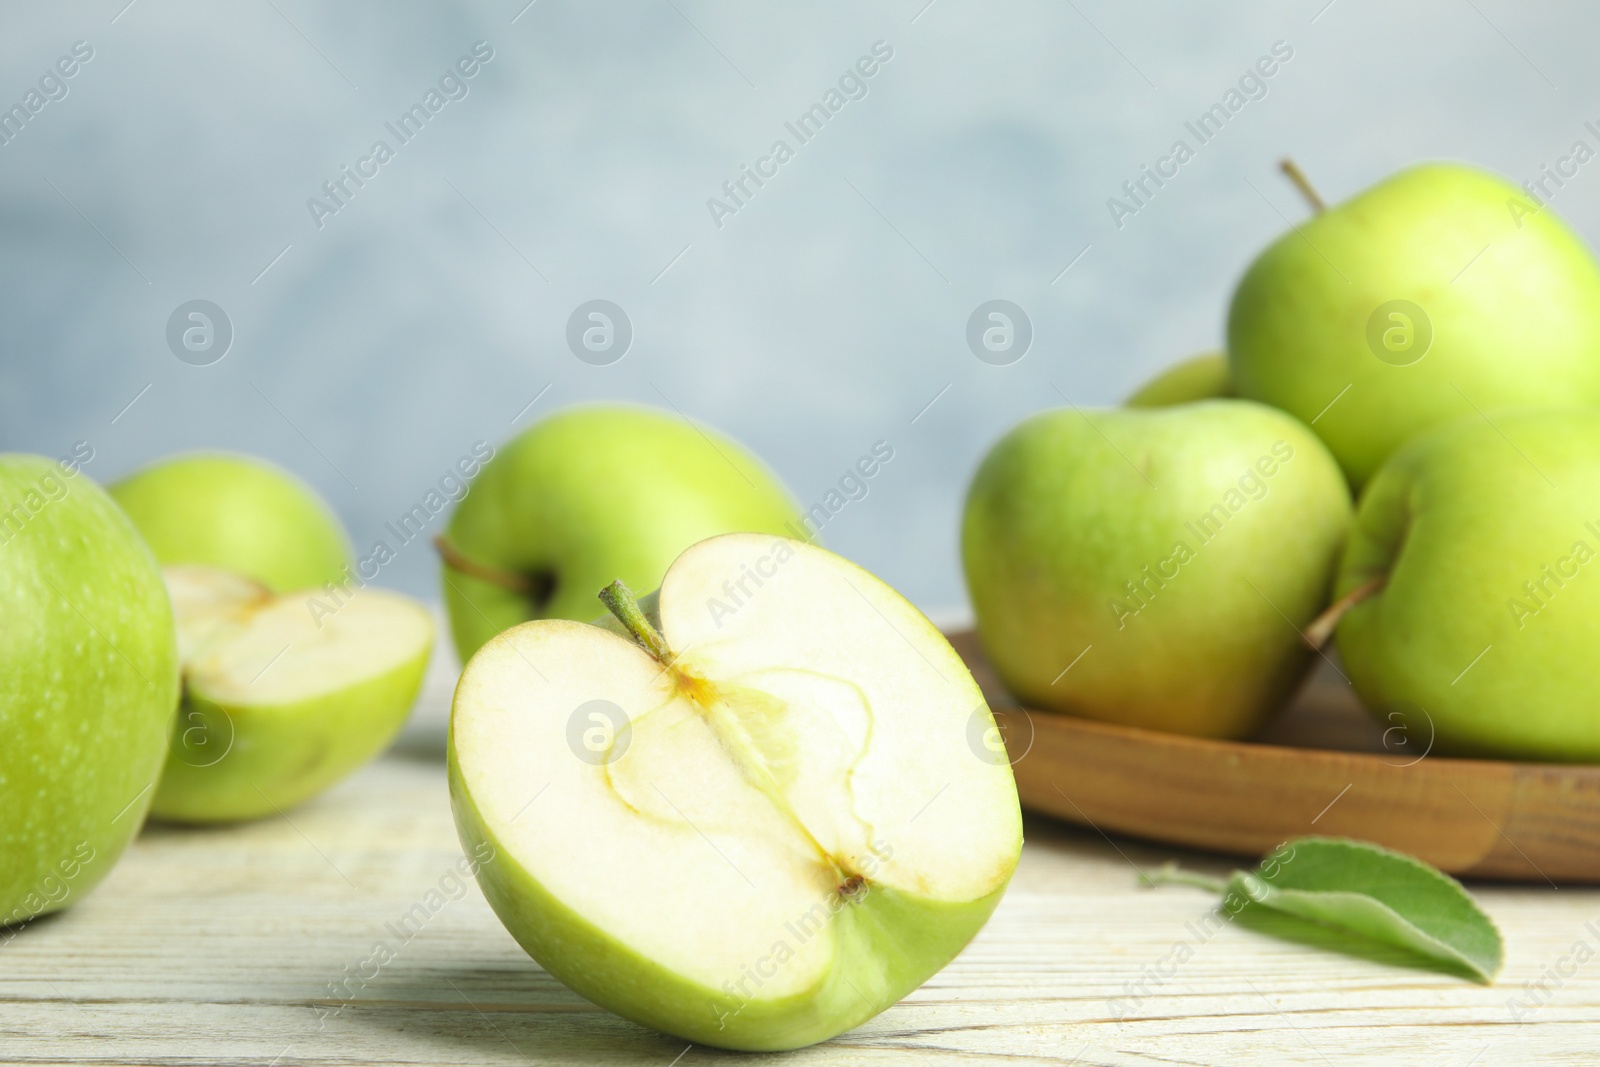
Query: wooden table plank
(227, 946)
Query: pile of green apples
(1430, 348)
(761, 803)
(753, 827)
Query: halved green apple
(280, 702)
(756, 821)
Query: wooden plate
(1325, 766)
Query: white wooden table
(255, 944)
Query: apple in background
(279, 700)
(1476, 546)
(236, 512)
(1150, 566)
(1201, 377)
(1438, 290)
(587, 496)
(752, 825)
(90, 679)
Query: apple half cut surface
(283, 695)
(754, 815)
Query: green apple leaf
(1374, 893)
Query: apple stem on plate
(621, 602)
(1322, 627)
(1301, 182)
(456, 560)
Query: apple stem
(455, 560)
(1321, 629)
(1301, 182)
(1171, 874)
(619, 599)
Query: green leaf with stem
(1364, 890)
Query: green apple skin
(594, 494)
(239, 513)
(1069, 509)
(1482, 553)
(1512, 294)
(610, 974)
(88, 684)
(1201, 377)
(274, 757)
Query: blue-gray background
(823, 317)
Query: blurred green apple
(1151, 567)
(752, 828)
(239, 513)
(1201, 377)
(588, 496)
(1439, 290)
(1476, 545)
(280, 701)
(88, 684)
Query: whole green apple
(1477, 545)
(755, 821)
(88, 684)
(1439, 290)
(587, 496)
(283, 694)
(1201, 377)
(1152, 567)
(239, 513)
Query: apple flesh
(754, 826)
(1151, 567)
(1439, 290)
(1481, 638)
(279, 701)
(1201, 377)
(90, 669)
(587, 496)
(239, 513)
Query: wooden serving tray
(1321, 767)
